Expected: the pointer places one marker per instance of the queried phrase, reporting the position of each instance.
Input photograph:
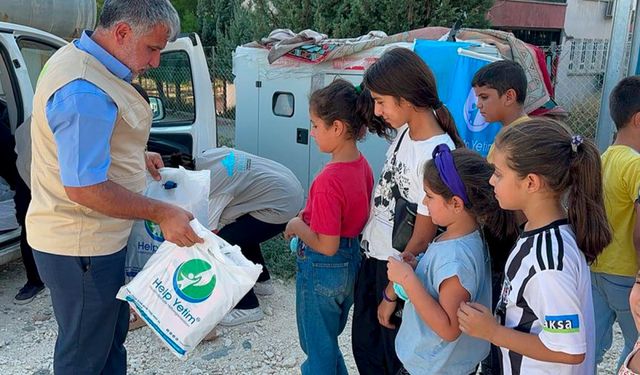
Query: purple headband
(443, 159)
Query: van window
(170, 90)
(283, 104)
(35, 55)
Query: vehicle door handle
(302, 136)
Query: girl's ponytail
(585, 199)
(366, 115)
(445, 119)
(339, 101)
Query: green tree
(99, 5)
(226, 24)
(186, 10)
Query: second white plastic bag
(184, 188)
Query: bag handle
(398, 144)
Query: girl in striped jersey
(545, 306)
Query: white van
(182, 126)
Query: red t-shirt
(339, 199)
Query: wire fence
(225, 100)
(577, 70)
(172, 85)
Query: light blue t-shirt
(418, 347)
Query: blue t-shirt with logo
(418, 347)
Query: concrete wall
(585, 19)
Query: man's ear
(121, 31)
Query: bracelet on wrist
(386, 297)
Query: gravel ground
(27, 337)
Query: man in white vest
(88, 134)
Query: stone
(246, 329)
(42, 317)
(246, 344)
(289, 362)
(223, 352)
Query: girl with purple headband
(455, 269)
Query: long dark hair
(402, 74)
(475, 172)
(340, 100)
(568, 164)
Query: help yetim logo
(194, 280)
(561, 323)
(472, 116)
(153, 230)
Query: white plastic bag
(186, 189)
(183, 292)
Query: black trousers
(373, 345)
(248, 233)
(9, 172)
(492, 364)
(22, 199)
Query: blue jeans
(611, 303)
(92, 323)
(324, 295)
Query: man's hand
(175, 227)
(154, 162)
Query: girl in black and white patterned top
(545, 306)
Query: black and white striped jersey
(547, 292)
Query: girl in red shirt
(328, 227)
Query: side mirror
(157, 108)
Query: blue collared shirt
(82, 117)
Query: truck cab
(180, 93)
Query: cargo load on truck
(275, 76)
